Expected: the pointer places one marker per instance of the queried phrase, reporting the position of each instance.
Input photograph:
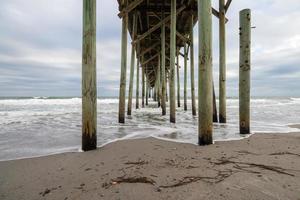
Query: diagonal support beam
(217, 14)
(157, 26)
(130, 7)
(182, 37)
(227, 5)
(149, 49)
(147, 61)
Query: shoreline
(78, 150)
(259, 167)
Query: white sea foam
(41, 126)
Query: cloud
(40, 48)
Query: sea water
(40, 126)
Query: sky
(40, 47)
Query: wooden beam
(172, 61)
(244, 72)
(163, 69)
(217, 14)
(149, 48)
(143, 86)
(130, 7)
(227, 5)
(137, 92)
(182, 37)
(178, 82)
(222, 63)
(147, 61)
(122, 92)
(158, 87)
(129, 104)
(89, 79)
(192, 67)
(158, 25)
(205, 88)
(183, 55)
(185, 78)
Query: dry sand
(264, 166)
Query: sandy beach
(263, 166)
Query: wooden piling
(122, 92)
(172, 61)
(158, 82)
(222, 61)
(205, 89)
(178, 82)
(129, 105)
(143, 86)
(147, 93)
(215, 112)
(167, 97)
(163, 68)
(185, 77)
(137, 92)
(192, 66)
(244, 72)
(89, 82)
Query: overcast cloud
(40, 47)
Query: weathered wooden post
(89, 82)
(172, 62)
(245, 66)
(122, 92)
(222, 61)
(185, 77)
(167, 97)
(129, 106)
(158, 82)
(205, 88)
(178, 82)
(192, 66)
(143, 86)
(137, 92)
(163, 67)
(147, 92)
(215, 112)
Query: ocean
(39, 126)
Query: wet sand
(263, 166)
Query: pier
(161, 34)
